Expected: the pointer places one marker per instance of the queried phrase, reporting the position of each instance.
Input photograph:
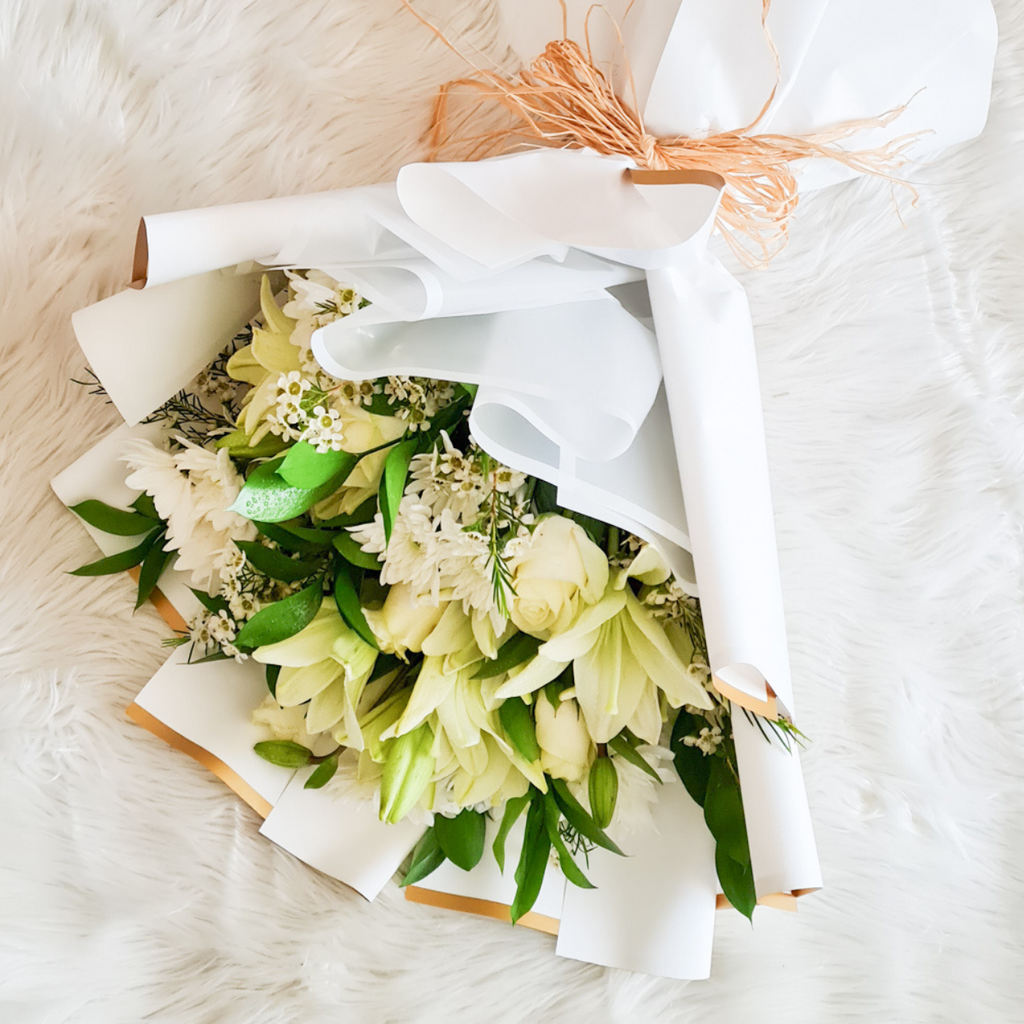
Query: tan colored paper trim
(140, 261)
(776, 900)
(214, 764)
(765, 708)
(683, 176)
(483, 908)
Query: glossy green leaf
(284, 753)
(737, 882)
(282, 619)
(363, 514)
(268, 498)
(517, 721)
(426, 857)
(115, 521)
(211, 604)
(346, 546)
(723, 810)
(513, 808)
(346, 597)
(121, 562)
(145, 506)
(153, 566)
(578, 817)
(274, 563)
(323, 773)
(571, 870)
(237, 444)
(629, 753)
(533, 861)
(215, 656)
(392, 484)
(512, 652)
(306, 467)
(288, 540)
(462, 838)
(273, 671)
(692, 765)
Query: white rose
(560, 571)
(566, 748)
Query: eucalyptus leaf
(346, 546)
(346, 597)
(426, 857)
(512, 652)
(282, 619)
(571, 870)
(120, 562)
(533, 861)
(392, 484)
(462, 838)
(517, 721)
(579, 819)
(513, 808)
(115, 521)
(306, 467)
(284, 753)
(323, 773)
(276, 564)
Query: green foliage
(282, 619)
(512, 652)
(625, 749)
(237, 444)
(578, 818)
(517, 721)
(513, 809)
(426, 857)
(276, 564)
(308, 468)
(115, 521)
(552, 818)
(346, 597)
(533, 861)
(323, 773)
(268, 498)
(273, 671)
(153, 566)
(693, 766)
(284, 753)
(392, 484)
(347, 547)
(462, 838)
(120, 562)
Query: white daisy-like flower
(325, 429)
(318, 297)
(192, 489)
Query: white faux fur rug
(133, 885)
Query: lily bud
(407, 771)
(603, 790)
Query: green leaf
(284, 753)
(392, 484)
(346, 546)
(629, 753)
(113, 520)
(517, 721)
(346, 597)
(275, 564)
(273, 671)
(282, 619)
(288, 540)
(462, 838)
(306, 467)
(121, 562)
(533, 861)
(571, 870)
(211, 604)
(426, 857)
(237, 444)
(737, 882)
(513, 808)
(693, 766)
(153, 566)
(384, 664)
(323, 773)
(579, 819)
(603, 790)
(545, 497)
(723, 810)
(144, 505)
(268, 498)
(216, 656)
(512, 652)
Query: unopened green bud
(603, 788)
(408, 769)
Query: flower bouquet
(404, 466)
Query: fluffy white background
(134, 886)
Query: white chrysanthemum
(192, 489)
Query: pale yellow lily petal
(609, 683)
(530, 677)
(273, 315)
(646, 721)
(432, 686)
(649, 566)
(469, 789)
(311, 644)
(297, 685)
(459, 716)
(328, 707)
(264, 398)
(581, 636)
(244, 366)
(275, 351)
(453, 632)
